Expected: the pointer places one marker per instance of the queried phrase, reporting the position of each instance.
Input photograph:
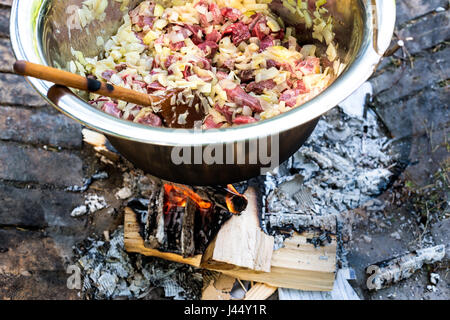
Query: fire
(229, 199)
(176, 196)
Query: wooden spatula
(168, 112)
(76, 81)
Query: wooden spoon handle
(75, 81)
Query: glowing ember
(176, 196)
(236, 202)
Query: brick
(411, 9)
(4, 22)
(38, 209)
(39, 127)
(7, 60)
(427, 70)
(427, 32)
(28, 164)
(14, 90)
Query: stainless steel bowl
(40, 33)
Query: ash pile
(344, 165)
(111, 273)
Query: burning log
(227, 198)
(184, 220)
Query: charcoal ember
(320, 240)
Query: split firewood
(388, 272)
(100, 144)
(260, 291)
(241, 242)
(298, 265)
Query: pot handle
(384, 12)
(57, 92)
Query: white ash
(434, 278)
(431, 288)
(94, 202)
(124, 193)
(79, 211)
(344, 164)
(111, 273)
(396, 235)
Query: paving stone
(412, 9)
(426, 156)
(410, 117)
(39, 285)
(7, 60)
(4, 22)
(14, 90)
(427, 70)
(426, 32)
(28, 164)
(37, 209)
(27, 251)
(39, 127)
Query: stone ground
(42, 153)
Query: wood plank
(241, 243)
(260, 291)
(297, 266)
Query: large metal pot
(43, 31)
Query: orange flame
(228, 199)
(176, 196)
